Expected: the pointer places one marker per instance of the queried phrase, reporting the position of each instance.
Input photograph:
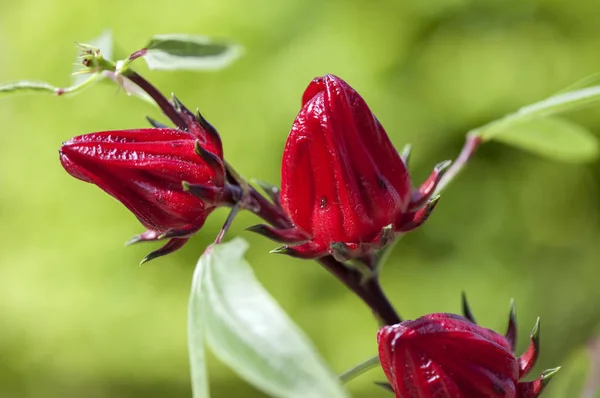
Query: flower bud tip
(133, 240)
(433, 202)
(466, 309)
(405, 156)
(511, 331)
(442, 166)
(178, 105)
(387, 235)
(340, 251)
(548, 374)
(155, 123)
(281, 250)
(207, 156)
(535, 333)
(386, 386)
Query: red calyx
(449, 356)
(344, 186)
(170, 179)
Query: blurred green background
(78, 317)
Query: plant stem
(156, 95)
(472, 142)
(359, 369)
(268, 211)
(369, 292)
(234, 211)
(386, 313)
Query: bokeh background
(78, 317)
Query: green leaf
(588, 81)
(199, 374)
(177, 52)
(554, 137)
(562, 102)
(248, 330)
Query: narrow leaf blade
(551, 137)
(247, 330)
(562, 102)
(187, 52)
(196, 321)
(588, 81)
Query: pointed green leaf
(562, 102)
(554, 137)
(177, 52)
(588, 81)
(196, 321)
(248, 330)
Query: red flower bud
(344, 186)
(449, 356)
(170, 179)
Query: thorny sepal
(511, 330)
(533, 389)
(170, 178)
(425, 191)
(466, 308)
(452, 356)
(529, 358)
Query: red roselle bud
(449, 356)
(344, 186)
(170, 179)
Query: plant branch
(359, 369)
(163, 103)
(472, 142)
(370, 291)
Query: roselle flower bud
(170, 179)
(449, 356)
(343, 185)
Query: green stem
(359, 369)
(24, 86)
